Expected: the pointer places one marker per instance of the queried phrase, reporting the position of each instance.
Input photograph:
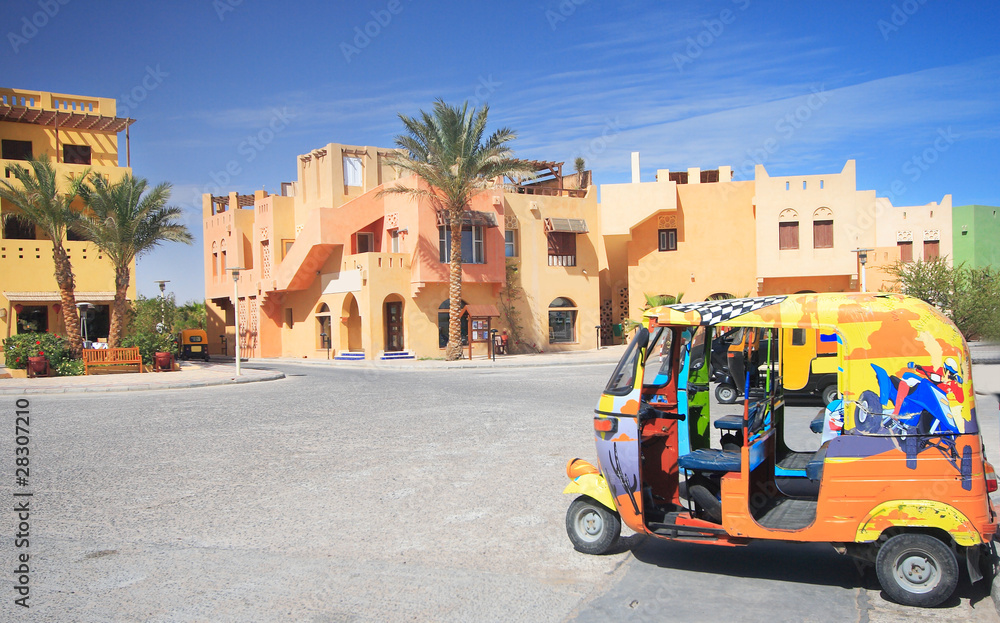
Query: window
(394, 238)
(33, 319)
(510, 243)
(472, 245)
(905, 251)
(788, 236)
(562, 321)
(821, 184)
(803, 184)
(289, 318)
(286, 245)
(822, 234)
(562, 248)
(215, 266)
(668, 239)
(76, 154)
(17, 229)
(444, 316)
(787, 185)
(15, 150)
(798, 337)
(353, 168)
(657, 370)
(365, 242)
(932, 249)
(72, 234)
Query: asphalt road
(341, 495)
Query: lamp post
(236, 311)
(163, 297)
(862, 259)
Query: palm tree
(446, 150)
(124, 223)
(41, 204)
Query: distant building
(976, 235)
(333, 268)
(78, 133)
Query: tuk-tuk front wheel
(593, 528)
(725, 394)
(917, 570)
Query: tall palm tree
(124, 223)
(446, 149)
(40, 203)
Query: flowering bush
(150, 343)
(18, 348)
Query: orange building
(78, 133)
(333, 269)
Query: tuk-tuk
(192, 343)
(902, 483)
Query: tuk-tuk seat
(814, 470)
(816, 424)
(710, 460)
(729, 422)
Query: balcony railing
(546, 191)
(562, 260)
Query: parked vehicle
(192, 343)
(903, 485)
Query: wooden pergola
(69, 120)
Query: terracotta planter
(163, 362)
(38, 366)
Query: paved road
(342, 495)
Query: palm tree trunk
(67, 284)
(118, 308)
(454, 350)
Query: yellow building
(78, 133)
(335, 270)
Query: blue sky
(910, 89)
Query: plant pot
(163, 362)
(38, 366)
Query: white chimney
(635, 167)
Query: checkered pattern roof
(716, 312)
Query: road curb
(141, 387)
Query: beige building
(335, 269)
(79, 134)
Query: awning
(53, 297)
(64, 119)
(481, 311)
(470, 218)
(568, 225)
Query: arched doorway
(562, 321)
(392, 313)
(444, 316)
(350, 325)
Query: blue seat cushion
(816, 425)
(710, 460)
(729, 422)
(814, 469)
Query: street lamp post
(236, 311)
(862, 259)
(163, 297)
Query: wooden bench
(110, 358)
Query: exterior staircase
(397, 355)
(357, 355)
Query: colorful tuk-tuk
(192, 343)
(903, 482)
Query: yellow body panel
(593, 485)
(918, 514)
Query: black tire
(726, 394)
(711, 506)
(829, 394)
(867, 415)
(592, 527)
(917, 570)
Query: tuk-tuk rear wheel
(917, 569)
(726, 394)
(593, 528)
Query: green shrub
(150, 343)
(18, 348)
(70, 367)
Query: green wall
(976, 232)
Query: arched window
(788, 229)
(562, 321)
(444, 317)
(823, 228)
(323, 327)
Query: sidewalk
(191, 375)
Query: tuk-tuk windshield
(623, 380)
